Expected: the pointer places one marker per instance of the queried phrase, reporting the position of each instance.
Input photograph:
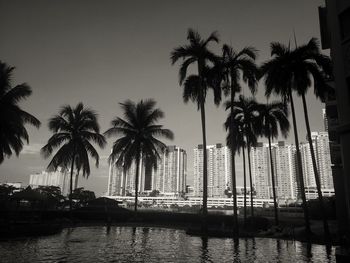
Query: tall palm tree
(139, 135)
(12, 117)
(236, 144)
(235, 67)
(316, 69)
(197, 52)
(74, 129)
(273, 115)
(293, 70)
(246, 112)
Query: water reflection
(131, 244)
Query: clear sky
(104, 52)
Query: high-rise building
(325, 120)
(323, 159)
(121, 182)
(283, 159)
(60, 178)
(306, 163)
(285, 168)
(320, 143)
(169, 178)
(260, 165)
(219, 170)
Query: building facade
(219, 170)
(169, 178)
(60, 178)
(283, 158)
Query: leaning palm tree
(73, 131)
(197, 52)
(234, 67)
(12, 117)
(293, 70)
(139, 135)
(273, 115)
(246, 112)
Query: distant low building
(60, 178)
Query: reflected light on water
(144, 244)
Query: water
(147, 244)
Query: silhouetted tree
(138, 136)
(195, 87)
(295, 70)
(273, 115)
(74, 129)
(235, 67)
(12, 117)
(246, 112)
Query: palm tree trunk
(71, 182)
(245, 188)
(251, 181)
(137, 180)
(300, 169)
(233, 167)
(273, 183)
(205, 172)
(317, 176)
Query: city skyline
(57, 60)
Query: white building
(260, 165)
(284, 170)
(219, 170)
(320, 143)
(169, 178)
(60, 178)
(122, 182)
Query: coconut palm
(246, 112)
(12, 117)
(273, 115)
(138, 137)
(295, 70)
(197, 52)
(74, 129)
(235, 67)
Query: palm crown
(235, 66)
(12, 117)
(138, 132)
(246, 116)
(296, 69)
(274, 115)
(74, 129)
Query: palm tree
(236, 144)
(318, 67)
(138, 136)
(196, 87)
(73, 131)
(273, 115)
(290, 70)
(246, 112)
(12, 117)
(234, 67)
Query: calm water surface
(144, 244)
